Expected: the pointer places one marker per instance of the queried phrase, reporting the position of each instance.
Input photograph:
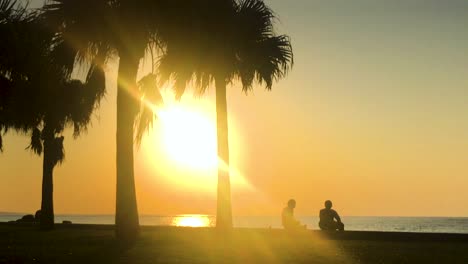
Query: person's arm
(337, 217)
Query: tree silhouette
(223, 50)
(38, 96)
(236, 41)
(129, 29)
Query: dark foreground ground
(96, 244)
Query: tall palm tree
(235, 42)
(128, 28)
(38, 96)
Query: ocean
(362, 223)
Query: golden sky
(374, 116)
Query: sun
(188, 136)
(181, 149)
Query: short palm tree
(38, 96)
(237, 42)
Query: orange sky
(373, 116)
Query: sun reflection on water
(192, 221)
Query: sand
(97, 244)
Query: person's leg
(326, 226)
(339, 226)
(322, 226)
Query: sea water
(363, 223)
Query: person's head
(292, 203)
(328, 204)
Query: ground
(96, 244)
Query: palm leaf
(238, 42)
(255, 18)
(150, 98)
(13, 10)
(267, 60)
(95, 84)
(36, 142)
(57, 151)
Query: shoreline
(346, 235)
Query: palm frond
(13, 10)
(95, 84)
(150, 98)
(261, 54)
(268, 60)
(7, 9)
(79, 28)
(149, 89)
(203, 80)
(36, 62)
(238, 42)
(255, 19)
(57, 150)
(173, 67)
(64, 55)
(36, 142)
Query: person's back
(328, 217)
(287, 217)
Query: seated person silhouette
(328, 217)
(287, 217)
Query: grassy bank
(95, 244)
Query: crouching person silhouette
(287, 217)
(329, 218)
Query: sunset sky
(374, 116)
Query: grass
(96, 244)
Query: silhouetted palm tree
(38, 96)
(128, 28)
(236, 41)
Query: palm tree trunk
(224, 210)
(126, 216)
(47, 204)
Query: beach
(354, 223)
(97, 244)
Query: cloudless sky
(373, 116)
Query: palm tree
(235, 42)
(129, 29)
(38, 96)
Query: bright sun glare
(191, 221)
(183, 149)
(188, 136)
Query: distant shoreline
(457, 225)
(212, 215)
(347, 235)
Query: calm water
(395, 224)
